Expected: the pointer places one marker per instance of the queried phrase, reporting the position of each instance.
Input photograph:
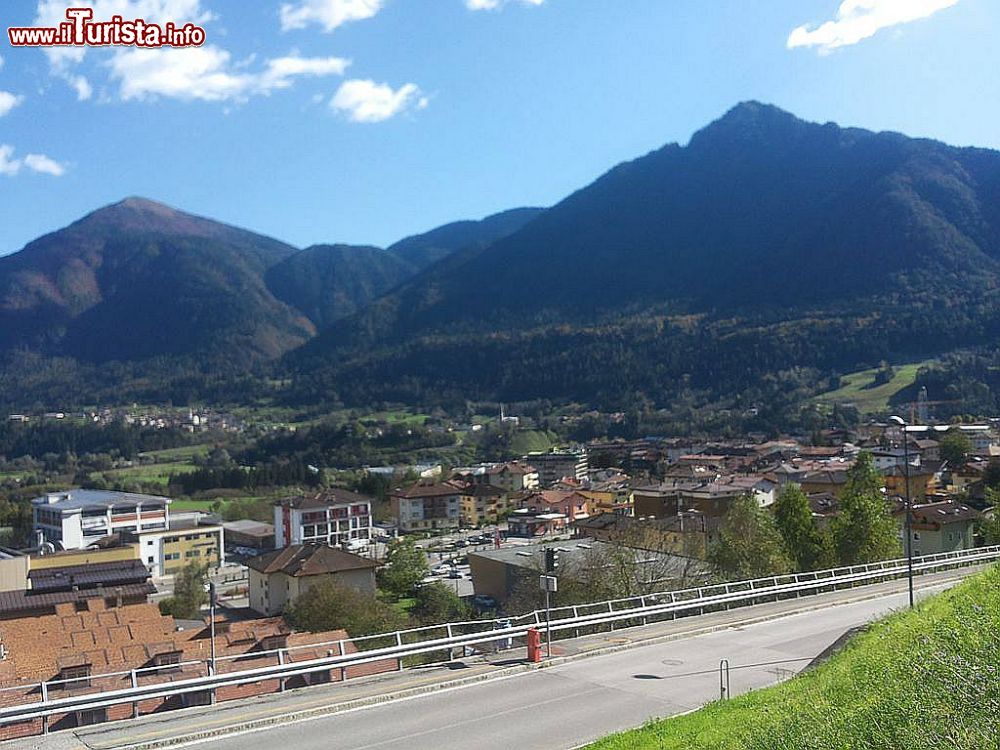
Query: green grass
(527, 441)
(158, 474)
(184, 454)
(859, 388)
(918, 680)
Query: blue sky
(363, 121)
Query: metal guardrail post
(281, 680)
(45, 699)
(135, 704)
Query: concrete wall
(14, 574)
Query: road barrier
(480, 635)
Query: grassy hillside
(859, 388)
(920, 681)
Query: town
(126, 583)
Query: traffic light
(551, 560)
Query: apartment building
(426, 506)
(76, 519)
(556, 465)
(333, 517)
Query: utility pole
(549, 584)
(909, 507)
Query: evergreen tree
(805, 543)
(864, 530)
(749, 544)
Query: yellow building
(166, 552)
(482, 504)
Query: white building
(556, 465)
(333, 517)
(75, 519)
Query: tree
(864, 530)
(989, 523)
(749, 544)
(326, 606)
(805, 543)
(405, 567)
(189, 593)
(955, 448)
(437, 603)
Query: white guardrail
(396, 646)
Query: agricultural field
(920, 680)
(859, 388)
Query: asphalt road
(574, 703)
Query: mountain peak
(750, 122)
(138, 203)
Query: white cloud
(858, 20)
(207, 74)
(280, 71)
(326, 13)
(367, 101)
(495, 4)
(8, 101)
(53, 12)
(194, 73)
(39, 163)
(44, 165)
(82, 87)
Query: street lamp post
(909, 507)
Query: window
(74, 678)
(193, 553)
(150, 560)
(168, 659)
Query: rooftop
(249, 527)
(308, 560)
(78, 499)
(107, 574)
(323, 499)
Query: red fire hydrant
(534, 646)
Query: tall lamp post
(909, 506)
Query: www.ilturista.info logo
(80, 30)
